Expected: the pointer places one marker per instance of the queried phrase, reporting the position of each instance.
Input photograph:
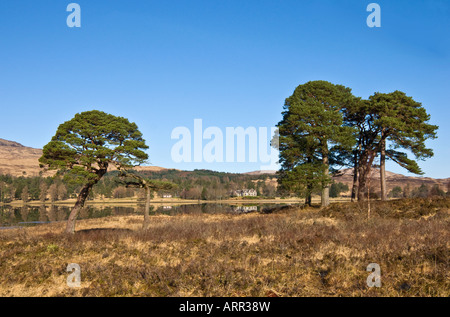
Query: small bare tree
(25, 195)
(43, 192)
(62, 191)
(130, 179)
(53, 192)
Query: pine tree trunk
(368, 199)
(364, 171)
(361, 183)
(356, 163)
(309, 186)
(81, 199)
(383, 168)
(308, 200)
(147, 208)
(325, 199)
(355, 177)
(84, 193)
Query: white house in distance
(244, 192)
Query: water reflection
(33, 215)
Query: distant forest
(197, 184)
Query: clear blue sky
(231, 63)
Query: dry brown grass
(291, 252)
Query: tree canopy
(92, 141)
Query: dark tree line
(33, 188)
(423, 191)
(198, 184)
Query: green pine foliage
(403, 122)
(325, 127)
(311, 132)
(88, 144)
(337, 188)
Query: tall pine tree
(310, 132)
(403, 123)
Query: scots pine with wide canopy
(84, 147)
(310, 133)
(403, 123)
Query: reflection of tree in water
(13, 215)
(33, 214)
(84, 213)
(195, 209)
(116, 211)
(61, 214)
(43, 213)
(141, 209)
(24, 213)
(10, 216)
(150, 210)
(6, 215)
(52, 213)
(101, 211)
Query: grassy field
(289, 252)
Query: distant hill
(392, 180)
(19, 160)
(261, 172)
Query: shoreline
(135, 202)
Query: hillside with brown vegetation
(392, 180)
(345, 176)
(18, 160)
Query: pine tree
(362, 116)
(204, 194)
(396, 192)
(84, 147)
(310, 134)
(403, 123)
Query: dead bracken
(294, 252)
